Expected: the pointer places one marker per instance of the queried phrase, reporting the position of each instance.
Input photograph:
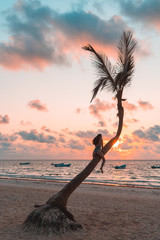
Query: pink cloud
(145, 105)
(33, 135)
(36, 104)
(157, 24)
(4, 119)
(14, 61)
(133, 120)
(129, 106)
(100, 106)
(44, 128)
(78, 110)
(101, 124)
(53, 37)
(74, 144)
(66, 131)
(25, 123)
(144, 11)
(132, 107)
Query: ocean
(138, 173)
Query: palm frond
(126, 64)
(105, 71)
(99, 85)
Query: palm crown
(114, 78)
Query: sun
(120, 141)
(116, 144)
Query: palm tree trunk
(54, 216)
(61, 198)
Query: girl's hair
(96, 139)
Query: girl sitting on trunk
(98, 142)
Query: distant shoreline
(59, 160)
(89, 183)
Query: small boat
(62, 165)
(155, 166)
(120, 167)
(24, 163)
(57, 164)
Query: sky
(47, 78)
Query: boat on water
(155, 166)
(57, 164)
(24, 163)
(62, 165)
(120, 167)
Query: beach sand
(106, 212)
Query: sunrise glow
(47, 80)
(116, 144)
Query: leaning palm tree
(53, 216)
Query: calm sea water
(136, 173)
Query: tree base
(47, 219)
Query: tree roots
(47, 219)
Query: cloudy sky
(47, 78)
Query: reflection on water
(136, 173)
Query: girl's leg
(99, 153)
(103, 160)
(102, 165)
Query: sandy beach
(106, 212)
